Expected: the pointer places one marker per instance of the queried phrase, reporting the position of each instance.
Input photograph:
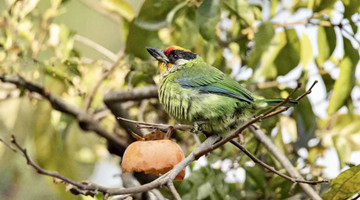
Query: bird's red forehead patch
(168, 50)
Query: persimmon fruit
(154, 153)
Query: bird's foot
(197, 126)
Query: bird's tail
(273, 102)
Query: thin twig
(270, 114)
(98, 8)
(8, 145)
(266, 166)
(163, 127)
(284, 161)
(308, 91)
(286, 100)
(109, 54)
(173, 190)
(356, 197)
(292, 188)
(89, 98)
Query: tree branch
(211, 143)
(109, 54)
(88, 188)
(135, 94)
(98, 8)
(173, 190)
(85, 120)
(114, 99)
(162, 127)
(266, 166)
(89, 98)
(271, 112)
(284, 161)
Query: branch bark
(284, 162)
(114, 99)
(135, 94)
(85, 120)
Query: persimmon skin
(154, 156)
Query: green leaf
(204, 191)
(200, 185)
(207, 17)
(346, 81)
(263, 40)
(273, 7)
(72, 66)
(138, 39)
(328, 81)
(326, 38)
(345, 185)
(185, 24)
(343, 149)
(267, 67)
(57, 74)
(255, 179)
(306, 53)
(150, 20)
(247, 13)
(342, 132)
(320, 5)
(143, 29)
(171, 16)
(351, 7)
(289, 56)
(121, 7)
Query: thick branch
(85, 120)
(114, 100)
(132, 95)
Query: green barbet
(195, 92)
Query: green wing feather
(208, 79)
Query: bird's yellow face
(171, 58)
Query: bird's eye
(175, 56)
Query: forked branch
(210, 144)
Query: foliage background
(267, 45)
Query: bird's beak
(158, 54)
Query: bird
(195, 92)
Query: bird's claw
(197, 127)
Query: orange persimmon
(153, 154)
